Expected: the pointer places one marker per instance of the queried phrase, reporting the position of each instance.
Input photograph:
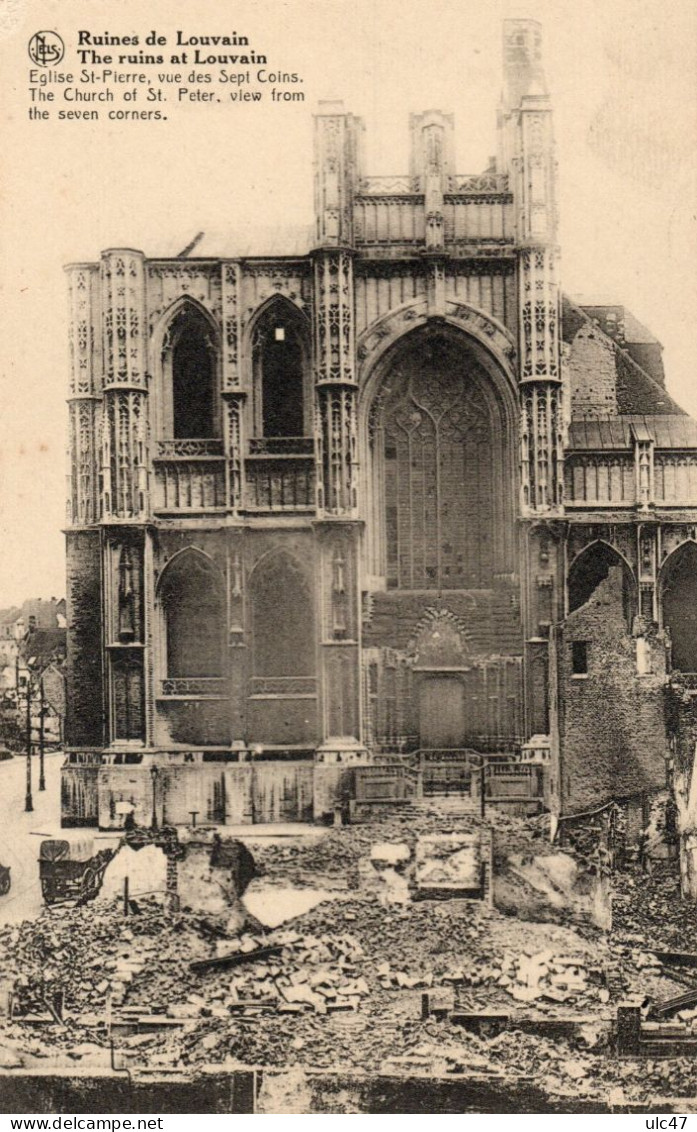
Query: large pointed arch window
(190, 358)
(591, 568)
(280, 352)
(193, 602)
(440, 469)
(679, 601)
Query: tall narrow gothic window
(193, 374)
(680, 606)
(194, 608)
(282, 619)
(279, 361)
(437, 438)
(128, 700)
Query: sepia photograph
(348, 594)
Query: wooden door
(441, 712)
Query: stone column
(125, 425)
(125, 492)
(85, 394)
(527, 154)
(234, 395)
(336, 431)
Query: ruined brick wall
(681, 708)
(592, 373)
(491, 617)
(613, 729)
(84, 724)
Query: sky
(623, 80)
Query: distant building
(15, 622)
(32, 654)
(41, 674)
(385, 492)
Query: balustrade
(185, 484)
(280, 474)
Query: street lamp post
(28, 802)
(42, 709)
(153, 772)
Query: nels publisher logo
(46, 48)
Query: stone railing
(675, 477)
(600, 479)
(513, 782)
(186, 484)
(388, 186)
(280, 483)
(186, 449)
(195, 687)
(457, 183)
(282, 446)
(283, 686)
(479, 183)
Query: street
(20, 833)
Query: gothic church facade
(386, 493)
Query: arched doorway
(440, 663)
(679, 604)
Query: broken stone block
(10, 1058)
(573, 1069)
(524, 993)
(389, 853)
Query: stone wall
(613, 727)
(219, 792)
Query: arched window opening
(193, 376)
(438, 440)
(590, 569)
(679, 593)
(282, 619)
(194, 608)
(279, 362)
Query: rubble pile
(92, 958)
(309, 972)
(341, 984)
(541, 977)
(335, 857)
(649, 907)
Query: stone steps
(445, 804)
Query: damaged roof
(638, 391)
(41, 647)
